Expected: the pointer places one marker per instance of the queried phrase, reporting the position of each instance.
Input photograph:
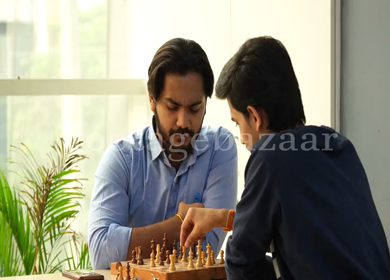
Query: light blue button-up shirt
(135, 186)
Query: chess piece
(132, 273)
(203, 258)
(158, 250)
(133, 259)
(165, 241)
(180, 253)
(161, 262)
(194, 250)
(140, 260)
(199, 263)
(221, 260)
(199, 248)
(119, 275)
(193, 247)
(167, 260)
(152, 262)
(208, 262)
(175, 254)
(153, 246)
(163, 253)
(184, 258)
(212, 258)
(172, 266)
(174, 245)
(190, 263)
(127, 277)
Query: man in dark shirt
(306, 194)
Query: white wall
(365, 92)
(221, 26)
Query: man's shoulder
(216, 133)
(219, 138)
(304, 145)
(134, 142)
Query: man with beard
(146, 183)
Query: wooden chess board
(145, 272)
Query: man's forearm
(142, 236)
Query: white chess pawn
(191, 264)
(152, 262)
(221, 260)
(172, 266)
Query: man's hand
(183, 208)
(199, 221)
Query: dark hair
(261, 75)
(179, 56)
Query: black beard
(165, 141)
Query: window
(93, 56)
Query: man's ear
(254, 117)
(152, 102)
(205, 107)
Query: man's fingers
(192, 237)
(186, 228)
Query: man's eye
(236, 125)
(195, 110)
(172, 108)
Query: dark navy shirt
(306, 190)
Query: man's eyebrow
(196, 103)
(172, 101)
(234, 120)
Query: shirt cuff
(118, 239)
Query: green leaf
(16, 230)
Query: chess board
(145, 272)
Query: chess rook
(184, 258)
(140, 260)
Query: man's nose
(183, 119)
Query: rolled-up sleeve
(108, 234)
(221, 189)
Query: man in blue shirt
(146, 183)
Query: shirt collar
(201, 145)
(155, 145)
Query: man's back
(321, 216)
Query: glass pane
(53, 39)
(39, 121)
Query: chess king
(146, 182)
(306, 196)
